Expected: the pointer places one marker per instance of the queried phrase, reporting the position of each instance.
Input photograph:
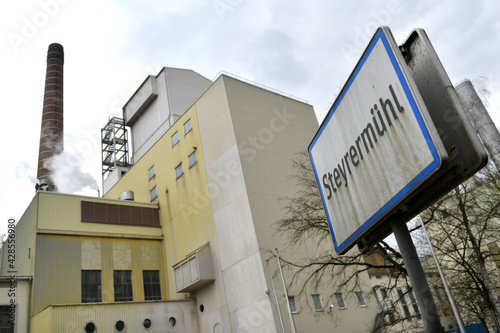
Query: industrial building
(182, 239)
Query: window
(91, 286)
(152, 290)
(361, 298)
(192, 159)
(187, 127)
(291, 302)
(178, 170)
(153, 193)
(90, 327)
(120, 326)
(403, 302)
(340, 301)
(175, 138)
(151, 172)
(147, 323)
(123, 285)
(317, 303)
(5, 317)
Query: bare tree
(304, 220)
(464, 227)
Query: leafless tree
(304, 220)
(464, 227)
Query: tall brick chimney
(51, 134)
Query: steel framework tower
(114, 146)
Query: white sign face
(374, 147)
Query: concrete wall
(245, 138)
(185, 212)
(24, 241)
(162, 314)
(270, 130)
(61, 213)
(240, 260)
(158, 103)
(60, 260)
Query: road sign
(376, 146)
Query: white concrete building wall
(239, 256)
(158, 103)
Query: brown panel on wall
(119, 214)
(125, 216)
(87, 211)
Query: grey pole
(418, 280)
(276, 297)
(480, 118)
(446, 288)
(286, 293)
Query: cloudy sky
(304, 48)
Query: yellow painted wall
(62, 212)
(60, 260)
(185, 212)
(24, 242)
(42, 322)
(73, 318)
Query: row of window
(179, 171)
(122, 283)
(318, 305)
(187, 128)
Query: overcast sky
(304, 48)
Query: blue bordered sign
(376, 146)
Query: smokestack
(51, 134)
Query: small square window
(291, 302)
(317, 303)
(178, 170)
(192, 159)
(175, 138)
(151, 172)
(361, 298)
(153, 193)
(187, 127)
(340, 301)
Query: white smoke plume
(23, 172)
(67, 175)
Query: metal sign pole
(418, 280)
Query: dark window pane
(91, 286)
(123, 286)
(152, 290)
